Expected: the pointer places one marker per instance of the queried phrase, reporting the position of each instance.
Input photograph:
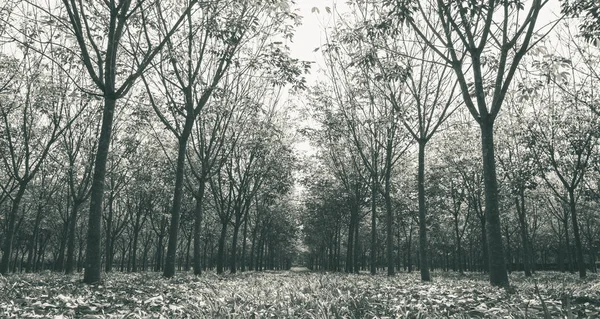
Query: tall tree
(98, 29)
(484, 42)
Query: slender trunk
(253, 248)
(565, 221)
(136, 233)
(60, 260)
(11, 229)
(221, 251)
(356, 242)
(197, 227)
(70, 265)
(109, 238)
(458, 259)
(350, 251)
(33, 240)
(484, 245)
(93, 254)
(578, 245)
(423, 253)
(498, 274)
(176, 210)
(526, 253)
(236, 230)
(373, 255)
(244, 241)
(409, 249)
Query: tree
(429, 104)
(484, 50)
(32, 112)
(564, 142)
(98, 29)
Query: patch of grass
(297, 294)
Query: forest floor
(298, 294)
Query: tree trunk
(373, 255)
(236, 230)
(498, 274)
(349, 253)
(458, 258)
(197, 227)
(109, 249)
(520, 203)
(565, 221)
(33, 240)
(10, 230)
(423, 253)
(357, 242)
(176, 210)
(71, 241)
(93, 254)
(136, 234)
(578, 245)
(221, 251)
(253, 249)
(244, 241)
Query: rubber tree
(98, 28)
(32, 120)
(564, 142)
(484, 43)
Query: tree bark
(70, 266)
(176, 210)
(197, 228)
(350, 251)
(244, 242)
(10, 230)
(526, 253)
(423, 253)
(236, 230)
(33, 241)
(221, 251)
(498, 274)
(373, 255)
(93, 254)
(575, 225)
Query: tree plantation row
(162, 135)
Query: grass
(297, 294)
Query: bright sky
(310, 35)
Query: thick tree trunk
(10, 230)
(197, 227)
(575, 225)
(423, 246)
(176, 210)
(498, 274)
(93, 254)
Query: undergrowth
(297, 295)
